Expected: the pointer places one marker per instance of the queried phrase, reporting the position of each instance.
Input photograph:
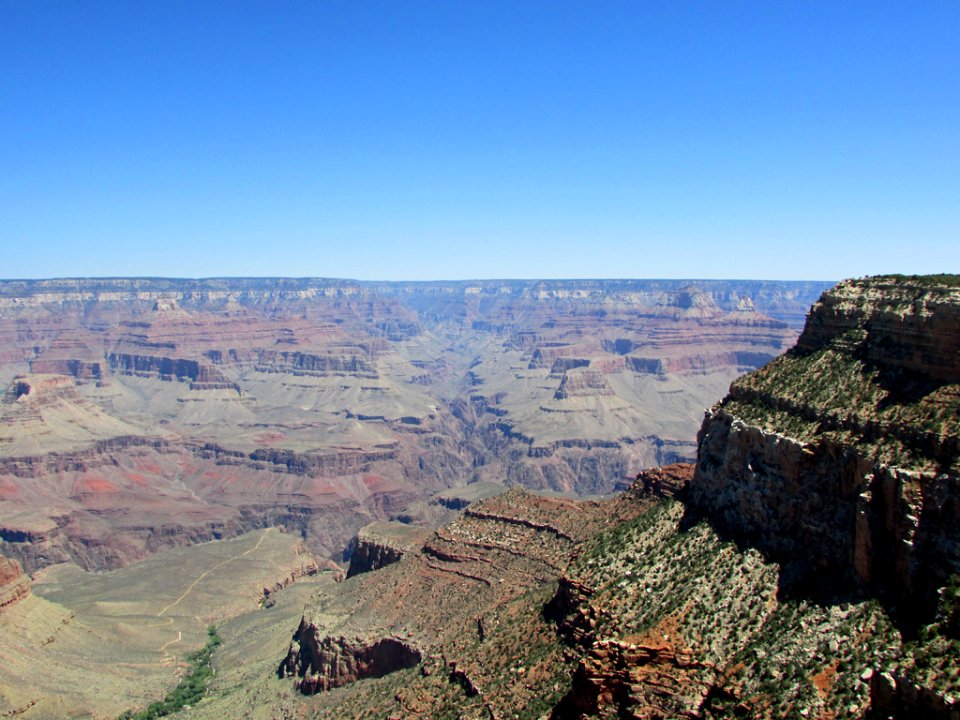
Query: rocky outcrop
(562, 364)
(639, 677)
(698, 364)
(371, 555)
(200, 376)
(449, 603)
(667, 482)
(14, 585)
(83, 369)
(633, 680)
(911, 324)
(299, 364)
(840, 459)
(381, 544)
(583, 383)
(325, 663)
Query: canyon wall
(14, 585)
(146, 413)
(806, 566)
(841, 458)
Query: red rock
(14, 585)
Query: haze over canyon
(148, 413)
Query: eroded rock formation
(841, 458)
(744, 588)
(447, 603)
(326, 663)
(14, 585)
(381, 544)
(148, 413)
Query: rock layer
(382, 544)
(841, 457)
(145, 413)
(446, 604)
(14, 585)
(327, 663)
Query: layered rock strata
(144, 413)
(841, 458)
(381, 544)
(14, 585)
(447, 605)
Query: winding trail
(171, 642)
(207, 572)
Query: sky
(479, 139)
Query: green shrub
(191, 688)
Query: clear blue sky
(475, 139)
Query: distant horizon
(425, 281)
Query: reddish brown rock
(583, 383)
(437, 604)
(381, 544)
(14, 585)
(908, 324)
(631, 680)
(185, 410)
(667, 481)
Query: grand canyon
(508, 499)
(143, 414)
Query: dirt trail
(207, 572)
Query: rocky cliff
(804, 568)
(840, 460)
(384, 543)
(463, 608)
(14, 585)
(526, 607)
(841, 457)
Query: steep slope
(452, 629)
(587, 386)
(842, 456)
(838, 462)
(14, 585)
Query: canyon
(513, 551)
(143, 414)
(805, 566)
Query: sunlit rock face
(843, 454)
(14, 585)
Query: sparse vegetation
(939, 280)
(191, 689)
(893, 418)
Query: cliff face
(831, 468)
(381, 544)
(14, 585)
(464, 606)
(901, 323)
(841, 458)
